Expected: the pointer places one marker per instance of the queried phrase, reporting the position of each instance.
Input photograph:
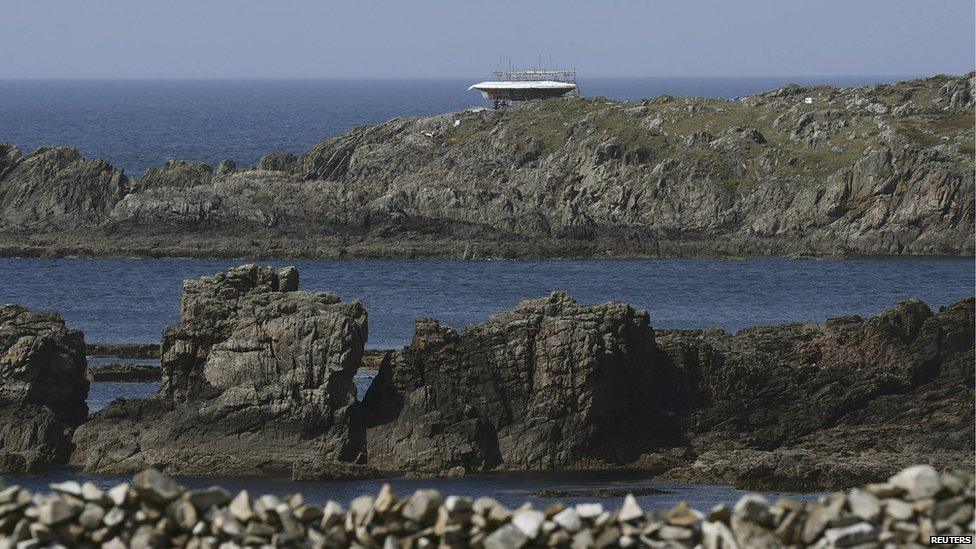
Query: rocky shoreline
(882, 170)
(257, 378)
(907, 510)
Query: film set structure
(514, 86)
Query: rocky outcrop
(906, 511)
(56, 189)
(178, 174)
(552, 384)
(850, 400)
(885, 170)
(256, 377)
(42, 388)
(549, 384)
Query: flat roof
(523, 85)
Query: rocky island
(258, 379)
(809, 171)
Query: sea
(138, 124)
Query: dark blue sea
(138, 124)
(132, 300)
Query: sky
(464, 38)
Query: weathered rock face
(42, 388)
(829, 404)
(549, 384)
(56, 189)
(178, 174)
(887, 169)
(256, 376)
(805, 406)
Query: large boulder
(42, 388)
(549, 384)
(256, 377)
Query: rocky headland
(257, 379)
(906, 510)
(887, 169)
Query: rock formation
(42, 388)
(552, 384)
(155, 511)
(256, 377)
(832, 404)
(549, 384)
(886, 169)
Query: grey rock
(529, 522)
(920, 481)
(210, 497)
(482, 414)
(252, 359)
(848, 536)
(506, 537)
(155, 486)
(864, 505)
(422, 506)
(56, 511)
(823, 513)
(568, 519)
(42, 390)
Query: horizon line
(469, 77)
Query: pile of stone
(155, 511)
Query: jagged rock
(278, 161)
(808, 406)
(548, 384)
(227, 167)
(257, 376)
(56, 189)
(177, 174)
(42, 388)
(795, 407)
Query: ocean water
(102, 393)
(512, 489)
(131, 301)
(141, 123)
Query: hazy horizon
(434, 39)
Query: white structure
(514, 86)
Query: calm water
(101, 393)
(130, 301)
(137, 124)
(510, 489)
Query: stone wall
(154, 511)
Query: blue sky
(463, 38)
